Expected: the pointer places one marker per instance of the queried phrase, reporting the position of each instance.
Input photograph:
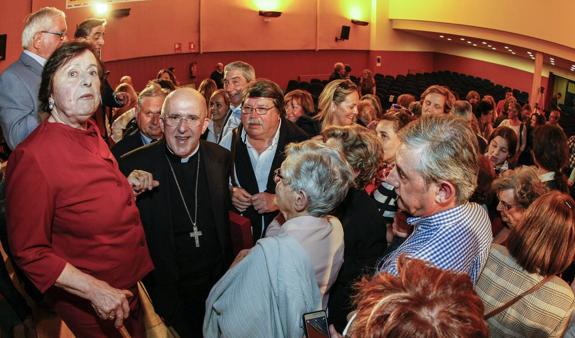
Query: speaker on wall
(2, 47)
(344, 35)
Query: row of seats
(388, 87)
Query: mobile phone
(315, 324)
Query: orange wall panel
(11, 24)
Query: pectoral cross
(196, 235)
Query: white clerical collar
(36, 57)
(187, 158)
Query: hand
(108, 302)
(333, 332)
(122, 98)
(241, 199)
(141, 181)
(241, 255)
(264, 202)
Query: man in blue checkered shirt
(435, 174)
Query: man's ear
(36, 41)
(445, 193)
(301, 201)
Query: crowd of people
(436, 218)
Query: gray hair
(247, 70)
(448, 149)
(152, 90)
(321, 171)
(41, 20)
(463, 109)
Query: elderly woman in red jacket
(72, 221)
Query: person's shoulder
(294, 132)
(148, 153)
(214, 150)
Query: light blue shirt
(457, 239)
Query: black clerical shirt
(192, 259)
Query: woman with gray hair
(283, 270)
(312, 182)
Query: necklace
(195, 233)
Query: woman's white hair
(321, 171)
(41, 20)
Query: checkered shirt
(456, 239)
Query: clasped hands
(110, 303)
(141, 181)
(263, 202)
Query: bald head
(185, 97)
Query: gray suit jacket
(19, 85)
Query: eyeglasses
(278, 175)
(506, 206)
(259, 110)
(188, 121)
(61, 35)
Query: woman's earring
(51, 104)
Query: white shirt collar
(36, 57)
(550, 176)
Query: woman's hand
(241, 199)
(141, 181)
(333, 332)
(108, 302)
(241, 255)
(264, 202)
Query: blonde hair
(334, 93)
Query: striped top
(543, 313)
(457, 239)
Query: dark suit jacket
(128, 143)
(155, 212)
(289, 133)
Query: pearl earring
(51, 104)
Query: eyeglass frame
(252, 109)
(191, 120)
(61, 35)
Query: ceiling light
(474, 45)
(448, 39)
(441, 36)
(513, 53)
(493, 48)
(468, 41)
(483, 42)
(489, 46)
(462, 39)
(505, 47)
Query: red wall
(395, 63)
(282, 66)
(279, 66)
(505, 76)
